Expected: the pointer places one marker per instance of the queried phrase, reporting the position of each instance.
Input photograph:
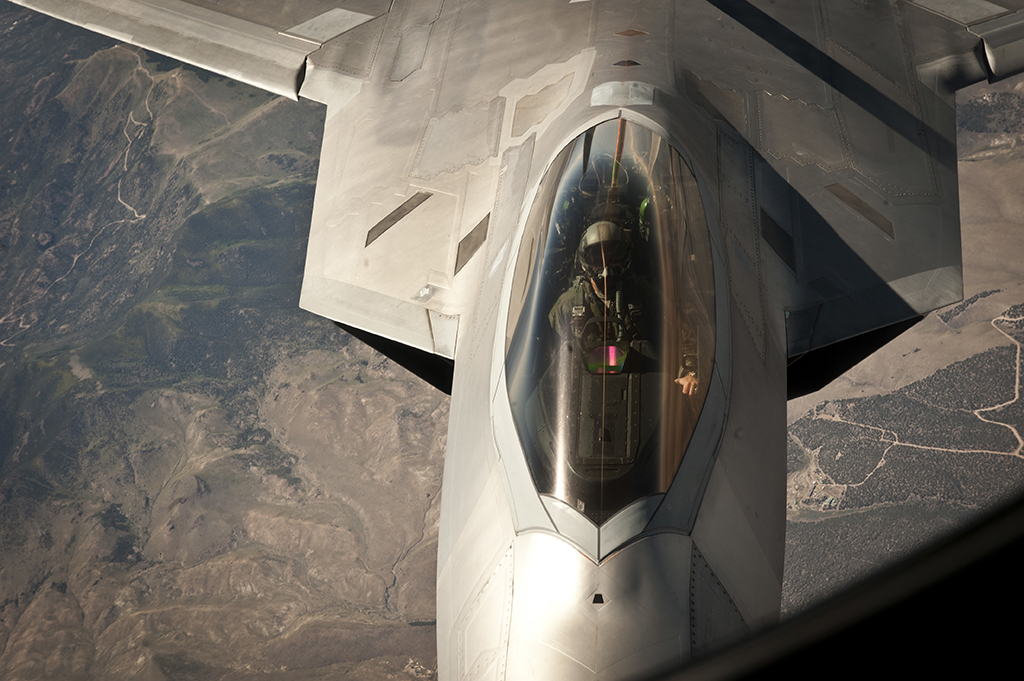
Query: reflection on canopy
(611, 322)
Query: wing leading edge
(235, 47)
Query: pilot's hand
(688, 384)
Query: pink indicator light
(607, 359)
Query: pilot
(687, 375)
(608, 290)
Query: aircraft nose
(575, 620)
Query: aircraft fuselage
(597, 521)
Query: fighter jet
(619, 220)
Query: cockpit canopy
(611, 328)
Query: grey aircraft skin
(619, 219)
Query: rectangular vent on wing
(861, 206)
(779, 239)
(471, 243)
(392, 218)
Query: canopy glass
(611, 329)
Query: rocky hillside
(198, 480)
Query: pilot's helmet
(604, 252)
(614, 211)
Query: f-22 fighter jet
(619, 220)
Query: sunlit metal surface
(580, 620)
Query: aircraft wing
(844, 202)
(411, 181)
(416, 114)
(835, 171)
(260, 42)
